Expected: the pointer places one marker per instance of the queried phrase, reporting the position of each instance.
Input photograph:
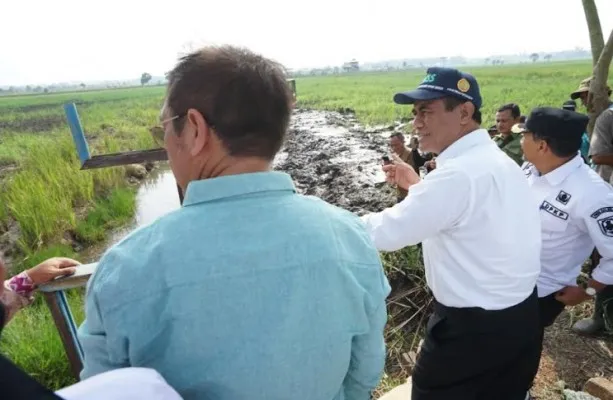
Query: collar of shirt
(405, 155)
(224, 187)
(475, 138)
(558, 175)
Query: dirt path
(570, 360)
(331, 156)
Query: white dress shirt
(121, 384)
(576, 208)
(478, 224)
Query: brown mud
(34, 124)
(329, 155)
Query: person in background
(492, 131)
(249, 290)
(410, 156)
(471, 214)
(15, 294)
(601, 156)
(574, 206)
(507, 116)
(18, 291)
(570, 105)
(16, 384)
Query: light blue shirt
(249, 291)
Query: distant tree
(82, 85)
(46, 90)
(534, 57)
(28, 88)
(547, 57)
(404, 64)
(144, 78)
(487, 60)
(598, 99)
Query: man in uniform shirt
(507, 116)
(601, 156)
(575, 209)
(471, 213)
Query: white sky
(43, 41)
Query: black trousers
(549, 309)
(475, 354)
(15, 384)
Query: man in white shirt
(479, 226)
(576, 209)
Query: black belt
(519, 311)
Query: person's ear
(543, 147)
(467, 110)
(198, 131)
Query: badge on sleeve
(601, 211)
(606, 226)
(563, 197)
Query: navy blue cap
(441, 82)
(569, 105)
(556, 123)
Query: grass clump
(111, 212)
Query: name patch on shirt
(553, 210)
(601, 211)
(563, 197)
(606, 226)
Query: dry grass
(571, 360)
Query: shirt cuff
(603, 276)
(21, 284)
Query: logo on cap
(429, 78)
(463, 85)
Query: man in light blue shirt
(249, 290)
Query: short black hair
(399, 135)
(242, 95)
(514, 108)
(452, 102)
(562, 148)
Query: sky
(44, 42)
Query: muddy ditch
(34, 124)
(329, 155)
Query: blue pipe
(77, 132)
(68, 318)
